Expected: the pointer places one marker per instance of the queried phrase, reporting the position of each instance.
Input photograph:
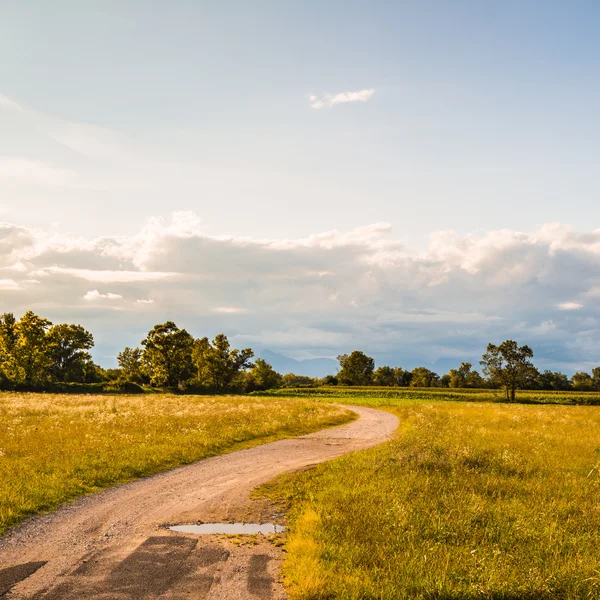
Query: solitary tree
(167, 355)
(508, 366)
(356, 368)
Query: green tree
(509, 367)
(474, 380)
(596, 377)
(402, 376)
(167, 355)
(262, 376)
(423, 377)
(8, 341)
(291, 380)
(458, 377)
(553, 380)
(582, 382)
(130, 362)
(356, 368)
(216, 364)
(384, 376)
(31, 362)
(67, 348)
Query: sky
(415, 179)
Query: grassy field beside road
(54, 448)
(470, 500)
(382, 396)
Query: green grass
(381, 396)
(54, 448)
(469, 501)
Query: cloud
(323, 294)
(96, 295)
(9, 284)
(230, 310)
(331, 100)
(570, 306)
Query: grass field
(470, 500)
(54, 448)
(381, 396)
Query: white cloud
(96, 295)
(230, 310)
(331, 100)
(570, 306)
(323, 294)
(9, 284)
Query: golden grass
(54, 448)
(469, 501)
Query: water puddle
(230, 528)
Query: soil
(115, 545)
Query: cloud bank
(331, 100)
(320, 295)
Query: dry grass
(56, 447)
(469, 501)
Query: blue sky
(272, 121)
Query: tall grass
(56, 447)
(468, 501)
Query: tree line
(36, 354)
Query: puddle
(230, 528)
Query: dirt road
(115, 545)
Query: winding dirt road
(115, 546)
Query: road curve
(114, 545)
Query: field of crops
(380, 396)
(56, 447)
(470, 500)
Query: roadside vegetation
(36, 355)
(54, 448)
(470, 500)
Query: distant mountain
(313, 367)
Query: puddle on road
(230, 528)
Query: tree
(596, 377)
(67, 348)
(402, 376)
(384, 376)
(508, 366)
(458, 377)
(262, 376)
(31, 363)
(356, 368)
(582, 382)
(8, 341)
(130, 361)
(553, 380)
(167, 355)
(474, 380)
(216, 364)
(291, 380)
(423, 377)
